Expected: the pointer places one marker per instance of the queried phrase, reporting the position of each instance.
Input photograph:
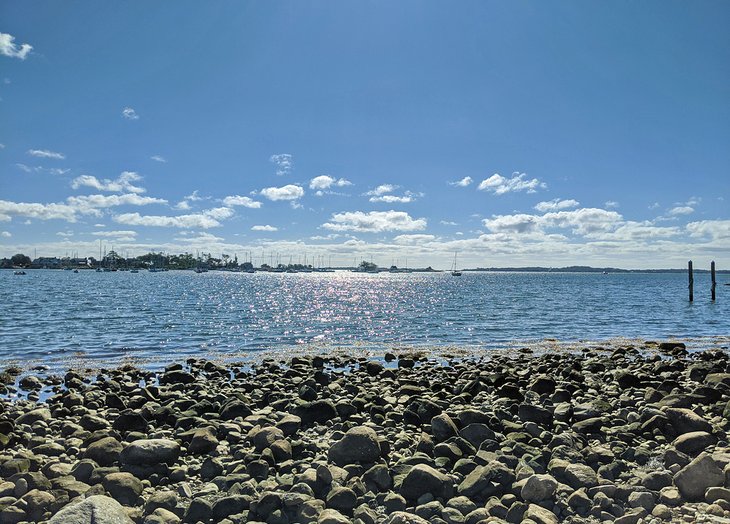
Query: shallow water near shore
(57, 317)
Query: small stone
(124, 487)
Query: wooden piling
(712, 276)
(691, 282)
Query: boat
(134, 270)
(20, 273)
(76, 270)
(454, 272)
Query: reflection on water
(55, 314)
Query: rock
(422, 479)
(204, 441)
(694, 442)
(442, 427)
(317, 412)
(479, 483)
(123, 487)
(540, 515)
(148, 452)
(341, 499)
(539, 487)
(536, 414)
(34, 416)
(641, 499)
(104, 452)
(235, 409)
(265, 437)
(401, 517)
(580, 476)
(684, 420)
(697, 476)
(359, 445)
(97, 509)
(715, 494)
(161, 516)
(331, 516)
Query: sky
(509, 133)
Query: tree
(20, 260)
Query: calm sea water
(50, 316)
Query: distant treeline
(589, 269)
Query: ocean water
(50, 317)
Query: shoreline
(548, 434)
(81, 363)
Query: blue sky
(516, 133)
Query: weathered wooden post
(712, 276)
(691, 282)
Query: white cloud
(130, 114)
(448, 223)
(45, 153)
(123, 183)
(237, 200)
(264, 228)
(5, 234)
(681, 210)
(8, 47)
(326, 181)
(36, 210)
(287, 192)
(715, 229)
(500, 185)
(584, 221)
(65, 234)
(519, 223)
(467, 180)
(283, 162)
(413, 239)
(654, 205)
(611, 204)
(115, 234)
(556, 205)
(392, 199)
(41, 169)
(158, 158)
(90, 204)
(374, 221)
(184, 204)
(204, 220)
(381, 190)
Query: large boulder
(104, 452)
(98, 509)
(359, 445)
(422, 479)
(684, 420)
(700, 474)
(148, 452)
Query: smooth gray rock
(98, 509)
(360, 444)
(148, 452)
(700, 474)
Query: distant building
(46, 263)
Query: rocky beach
(628, 434)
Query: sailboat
(454, 272)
